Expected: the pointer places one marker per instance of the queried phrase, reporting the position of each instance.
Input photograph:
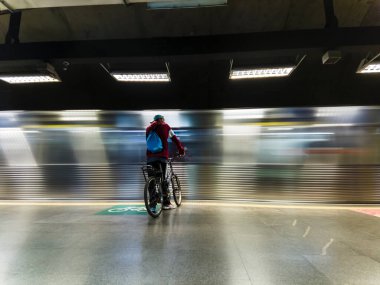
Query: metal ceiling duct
(34, 4)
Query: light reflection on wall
(88, 146)
(243, 114)
(90, 154)
(18, 155)
(16, 148)
(171, 117)
(79, 115)
(240, 143)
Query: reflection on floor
(194, 244)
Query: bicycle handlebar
(176, 155)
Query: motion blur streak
(321, 155)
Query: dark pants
(162, 165)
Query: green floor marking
(125, 210)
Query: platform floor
(198, 243)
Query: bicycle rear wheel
(153, 197)
(176, 187)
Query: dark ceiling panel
(236, 43)
(372, 17)
(351, 13)
(135, 21)
(303, 15)
(4, 24)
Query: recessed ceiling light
(20, 79)
(371, 68)
(141, 77)
(261, 72)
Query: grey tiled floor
(195, 244)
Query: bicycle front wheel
(153, 197)
(176, 187)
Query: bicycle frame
(169, 171)
(149, 171)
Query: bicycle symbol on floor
(127, 209)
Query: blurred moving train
(323, 155)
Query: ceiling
(136, 21)
(198, 44)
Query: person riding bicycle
(159, 160)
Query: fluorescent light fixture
(28, 71)
(261, 72)
(21, 79)
(184, 4)
(141, 77)
(371, 68)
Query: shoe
(168, 206)
(153, 209)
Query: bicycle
(153, 196)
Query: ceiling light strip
(20, 79)
(261, 72)
(371, 68)
(141, 77)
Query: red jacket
(164, 132)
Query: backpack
(154, 143)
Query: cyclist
(159, 160)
